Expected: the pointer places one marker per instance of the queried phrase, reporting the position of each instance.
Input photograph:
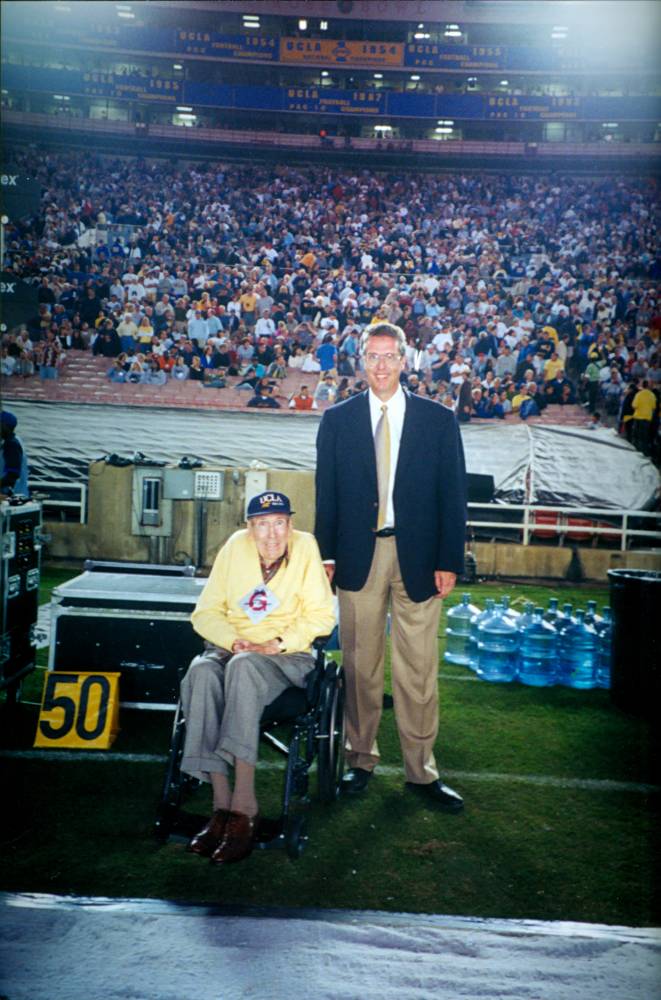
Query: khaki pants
(414, 666)
(223, 696)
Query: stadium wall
(198, 528)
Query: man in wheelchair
(266, 599)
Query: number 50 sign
(79, 710)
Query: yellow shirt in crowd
(644, 404)
(299, 590)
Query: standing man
(391, 516)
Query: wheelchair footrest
(179, 826)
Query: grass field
(559, 822)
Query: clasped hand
(243, 646)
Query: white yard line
(543, 780)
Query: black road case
(20, 564)
(134, 623)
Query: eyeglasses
(390, 360)
(264, 527)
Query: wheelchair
(314, 719)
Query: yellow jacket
(301, 587)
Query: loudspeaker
(480, 488)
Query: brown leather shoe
(207, 840)
(237, 840)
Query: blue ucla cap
(269, 503)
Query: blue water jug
(510, 613)
(578, 654)
(525, 618)
(604, 629)
(591, 616)
(538, 652)
(551, 613)
(563, 621)
(458, 630)
(497, 644)
(474, 627)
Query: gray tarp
(567, 466)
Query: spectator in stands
(263, 398)
(560, 390)
(154, 374)
(196, 371)
(180, 371)
(644, 406)
(49, 356)
(326, 390)
(326, 355)
(302, 400)
(119, 370)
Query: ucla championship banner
(327, 51)
(331, 100)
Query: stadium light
(177, 66)
(378, 76)
(414, 77)
(422, 34)
(445, 121)
(324, 72)
(383, 128)
(302, 24)
(504, 83)
(323, 26)
(183, 107)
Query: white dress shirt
(396, 410)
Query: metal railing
(61, 496)
(578, 522)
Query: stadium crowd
(515, 292)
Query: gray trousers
(223, 696)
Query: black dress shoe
(356, 781)
(438, 795)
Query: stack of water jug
(536, 647)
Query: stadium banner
(429, 55)
(243, 47)
(333, 52)
(525, 58)
(131, 86)
(327, 51)
(330, 101)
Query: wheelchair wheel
(175, 784)
(296, 837)
(330, 764)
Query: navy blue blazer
(429, 494)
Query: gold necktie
(382, 448)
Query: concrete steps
(83, 379)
